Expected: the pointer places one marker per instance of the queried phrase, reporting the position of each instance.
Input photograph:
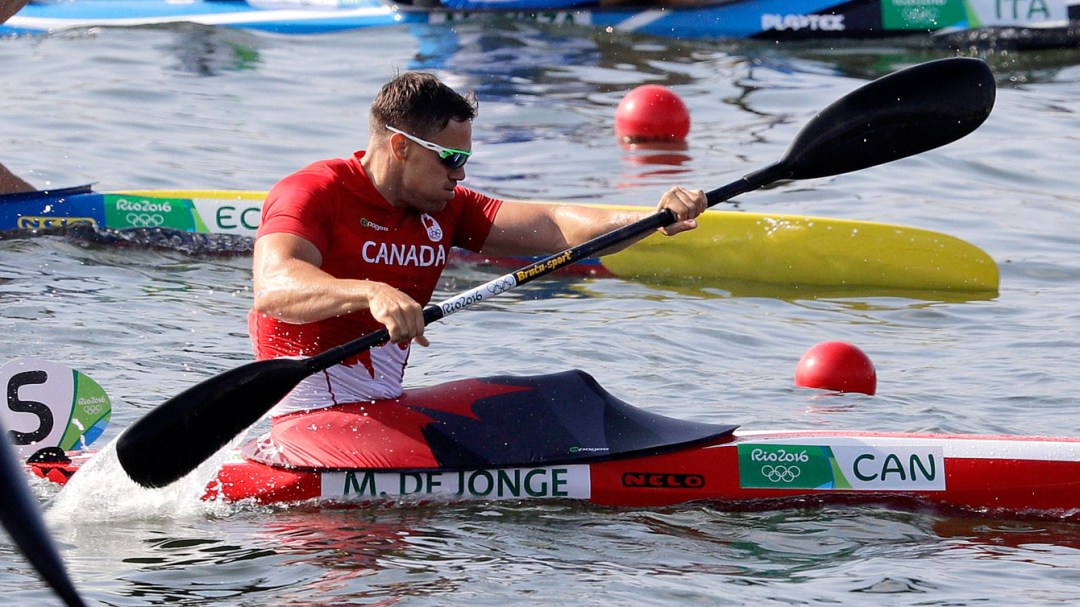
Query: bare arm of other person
(9, 8)
(290, 286)
(10, 183)
(527, 228)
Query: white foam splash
(102, 491)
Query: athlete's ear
(399, 146)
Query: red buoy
(651, 113)
(837, 366)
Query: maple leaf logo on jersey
(434, 230)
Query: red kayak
(562, 436)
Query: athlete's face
(427, 183)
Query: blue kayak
(1033, 23)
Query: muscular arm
(525, 228)
(290, 286)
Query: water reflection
(991, 532)
(654, 159)
(307, 557)
(207, 51)
(511, 57)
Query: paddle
(905, 113)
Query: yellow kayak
(810, 251)
(742, 253)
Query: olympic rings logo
(501, 286)
(781, 474)
(144, 220)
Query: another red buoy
(651, 113)
(837, 366)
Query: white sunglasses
(451, 158)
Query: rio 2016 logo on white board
(841, 467)
(46, 404)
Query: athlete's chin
(434, 206)
(446, 200)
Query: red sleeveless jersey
(335, 206)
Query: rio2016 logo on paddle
(49, 405)
(849, 467)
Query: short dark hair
(420, 104)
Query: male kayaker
(347, 246)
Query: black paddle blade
(185, 430)
(20, 515)
(899, 115)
